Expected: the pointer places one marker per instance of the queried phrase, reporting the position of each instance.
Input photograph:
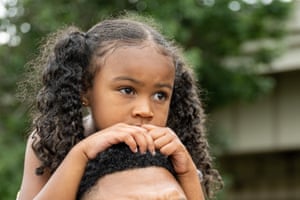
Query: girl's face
(134, 86)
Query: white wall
(271, 123)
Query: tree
(210, 31)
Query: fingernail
(153, 153)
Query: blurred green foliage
(208, 30)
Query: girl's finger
(150, 143)
(131, 143)
(141, 142)
(156, 132)
(149, 127)
(169, 149)
(134, 137)
(162, 141)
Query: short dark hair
(119, 158)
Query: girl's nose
(143, 109)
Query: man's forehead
(151, 183)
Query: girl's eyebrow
(157, 85)
(162, 85)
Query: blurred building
(263, 159)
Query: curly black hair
(68, 65)
(119, 158)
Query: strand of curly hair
(59, 123)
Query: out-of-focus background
(246, 54)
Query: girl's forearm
(64, 182)
(191, 185)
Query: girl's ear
(84, 99)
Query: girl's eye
(160, 96)
(127, 91)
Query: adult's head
(118, 173)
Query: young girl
(139, 91)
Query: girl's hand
(135, 137)
(168, 143)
